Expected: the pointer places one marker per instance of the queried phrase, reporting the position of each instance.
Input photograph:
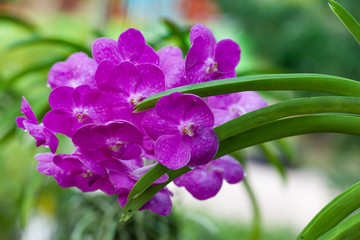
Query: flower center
(116, 147)
(134, 100)
(188, 129)
(213, 67)
(82, 117)
(87, 174)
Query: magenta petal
(51, 139)
(107, 187)
(27, 111)
(227, 55)
(156, 126)
(106, 49)
(200, 30)
(199, 113)
(115, 165)
(172, 151)
(201, 183)
(152, 80)
(60, 121)
(173, 66)
(224, 101)
(131, 44)
(174, 106)
(88, 139)
(222, 116)
(68, 163)
(203, 146)
(102, 74)
(251, 101)
(77, 70)
(169, 51)
(195, 61)
(131, 151)
(148, 56)
(123, 78)
(160, 203)
(45, 163)
(61, 98)
(233, 171)
(121, 182)
(94, 103)
(122, 199)
(124, 131)
(20, 122)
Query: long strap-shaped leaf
(332, 214)
(271, 131)
(294, 107)
(51, 41)
(264, 115)
(347, 229)
(350, 23)
(306, 82)
(290, 127)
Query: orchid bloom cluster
(92, 102)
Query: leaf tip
(125, 216)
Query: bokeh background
(291, 179)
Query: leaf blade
(332, 214)
(304, 82)
(347, 19)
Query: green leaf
(333, 123)
(52, 41)
(149, 177)
(305, 82)
(347, 229)
(134, 204)
(332, 214)
(350, 23)
(42, 65)
(273, 160)
(294, 107)
(18, 21)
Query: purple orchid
(229, 106)
(77, 70)
(72, 108)
(113, 140)
(92, 103)
(208, 60)
(75, 171)
(130, 46)
(127, 85)
(81, 172)
(205, 181)
(181, 125)
(41, 134)
(172, 64)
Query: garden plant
(138, 119)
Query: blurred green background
(276, 36)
